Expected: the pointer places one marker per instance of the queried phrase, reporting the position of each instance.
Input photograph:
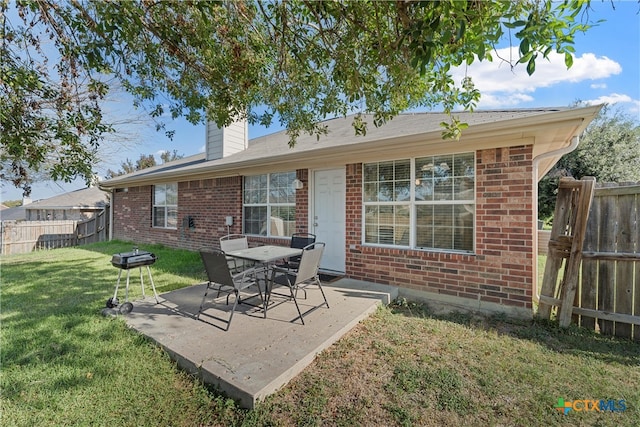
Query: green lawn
(63, 363)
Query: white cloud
(614, 98)
(493, 100)
(499, 77)
(598, 86)
(617, 98)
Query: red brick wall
(501, 269)
(207, 201)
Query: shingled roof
(340, 143)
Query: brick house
(450, 222)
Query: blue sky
(606, 69)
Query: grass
(63, 363)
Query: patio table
(265, 255)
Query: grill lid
(127, 260)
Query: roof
(548, 129)
(86, 198)
(13, 214)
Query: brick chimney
(226, 141)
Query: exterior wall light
(297, 184)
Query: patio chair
(220, 279)
(298, 241)
(235, 242)
(305, 276)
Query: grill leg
(142, 282)
(115, 294)
(153, 286)
(126, 292)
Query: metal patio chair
(220, 279)
(306, 275)
(235, 242)
(298, 241)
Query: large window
(165, 206)
(425, 203)
(269, 203)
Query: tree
(296, 61)
(170, 156)
(145, 161)
(609, 150)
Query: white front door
(328, 221)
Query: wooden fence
(608, 297)
(18, 237)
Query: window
(165, 206)
(269, 203)
(425, 203)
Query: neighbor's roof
(86, 198)
(548, 129)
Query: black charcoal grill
(128, 261)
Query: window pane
(255, 220)
(158, 216)
(283, 221)
(424, 178)
(371, 172)
(371, 224)
(442, 166)
(402, 191)
(424, 189)
(463, 189)
(424, 226)
(385, 224)
(385, 171)
(255, 189)
(172, 217)
(402, 170)
(464, 165)
(402, 221)
(385, 191)
(443, 238)
(281, 188)
(463, 233)
(443, 215)
(443, 188)
(371, 192)
(172, 194)
(159, 195)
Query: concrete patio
(257, 356)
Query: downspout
(575, 140)
(111, 208)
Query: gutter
(575, 140)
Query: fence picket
(624, 270)
(589, 294)
(606, 269)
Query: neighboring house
(12, 214)
(75, 205)
(450, 222)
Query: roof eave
(516, 131)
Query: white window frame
(270, 193)
(166, 205)
(412, 204)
